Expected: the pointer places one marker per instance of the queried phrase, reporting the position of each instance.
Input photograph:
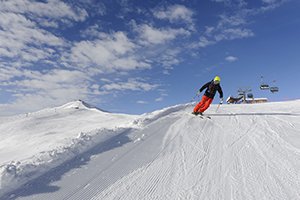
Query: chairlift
(264, 86)
(274, 89)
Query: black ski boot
(197, 113)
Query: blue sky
(134, 56)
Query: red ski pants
(203, 104)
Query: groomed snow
(79, 152)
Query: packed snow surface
(77, 151)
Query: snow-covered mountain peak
(79, 104)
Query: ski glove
(221, 100)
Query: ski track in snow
(175, 155)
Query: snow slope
(243, 152)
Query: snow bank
(17, 173)
(148, 118)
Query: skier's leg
(200, 104)
(206, 105)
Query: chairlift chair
(264, 86)
(274, 89)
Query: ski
(205, 116)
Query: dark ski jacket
(212, 89)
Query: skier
(211, 88)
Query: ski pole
(221, 102)
(218, 107)
(193, 99)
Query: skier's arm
(204, 86)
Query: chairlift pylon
(241, 94)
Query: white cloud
(106, 54)
(151, 35)
(234, 33)
(268, 5)
(92, 31)
(94, 7)
(33, 81)
(131, 84)
(163, 94)
(232, 23)
(204, 42)
(7, 73)
(269, 1)
(22, 39)
(229, 27)
(52, 9)
(231, 58)
(36, 90)
(225, 34)
(209, 30)
(232, 3)
(168, 59)
(142, 102)
(159, 99)
(116, 52)
(175, 13)
(232, 20)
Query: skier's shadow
(42, 184)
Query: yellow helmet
(217, 79)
